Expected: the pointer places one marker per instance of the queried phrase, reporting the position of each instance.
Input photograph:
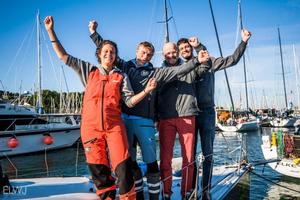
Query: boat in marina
(286, 118)
(284, 150)
(9, 112)
(24, 130)
(250, 125)
(239, 121)
(283, 121)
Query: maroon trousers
(185, 127)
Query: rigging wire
(172, 15)
(154, 8)
(25, 55)
(219, 45)
(18, 52)
(49, 54)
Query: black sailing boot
(153, 181)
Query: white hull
(285, 166)
(32, 141)
(242, 127)
(279, 122)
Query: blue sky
(129, 22)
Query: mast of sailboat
(282, 68)
(244, 63)
(166, 22)
(40, 100)
(297, 74)
(60, 93)
(62, 100)
(20, 93)
(265, 102)
(219, 45)
(4, 91)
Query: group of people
(123, 100)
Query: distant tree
(48, 97)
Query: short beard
(189, 57)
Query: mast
(4, 91)
(282, 68)
(166, 21)
(265, 102)
(296, 72)
(219, 45)
(60, 93)
(244, 63)
(20, 91)
(40, 100)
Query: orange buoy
(12, 142)
(48, 139)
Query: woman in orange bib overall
(102, 127)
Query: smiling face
(170, 53)
(107, 55)
(185, 50)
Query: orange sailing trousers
(109, 148)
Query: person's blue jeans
(143, 131)
(205, 128)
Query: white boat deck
(223, 181)
(76, 188)
(81, 188)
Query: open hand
(151, 85)
(194, 42)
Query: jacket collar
(147, 65)
(104, 72)
(166, 64)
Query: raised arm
(82, 68)
(196, 44)
(97, 39)
(95, 36)
(58, 48)
(222, 63)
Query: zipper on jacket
(102, 106)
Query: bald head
(170, 52)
